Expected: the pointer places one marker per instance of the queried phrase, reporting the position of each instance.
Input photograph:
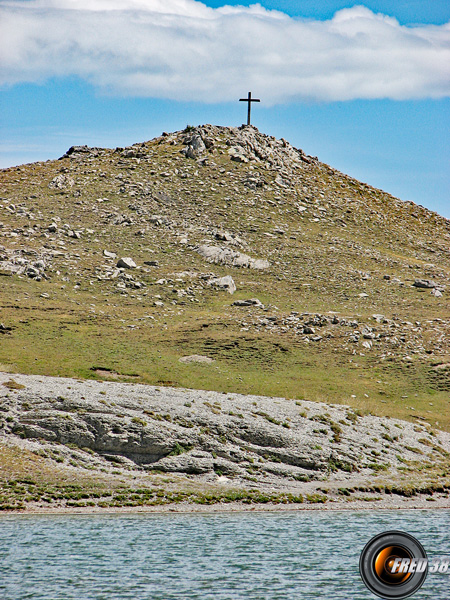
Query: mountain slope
(341, 290)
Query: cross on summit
(249, 99)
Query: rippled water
(258, 556)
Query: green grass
(245, 363)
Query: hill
(351, 294)
(220, 258)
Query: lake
(222, 556)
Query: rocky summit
(221, 259)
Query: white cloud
(184, 50)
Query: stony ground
(86, 440)
(220, 258)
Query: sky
(364, 86)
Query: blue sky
(364, 85)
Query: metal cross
(249, 100)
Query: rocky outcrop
(209, 433)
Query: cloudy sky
(364, 86)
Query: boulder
(223, 283)
(249, 302)
(126, 263)
(435, 292)
(424, 284)
(195, 147)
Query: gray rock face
(226, 256)
(248, 145)
(224, 236)
(205, 433)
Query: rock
(238, 154)
(60, 182)
(151, 263)
(259, 263)
(195, 147)
(224, 236)
(378, 318)
(126, 263)
(250, 302)
(134, 152)
(226, 256)
(32, 272)
(52, 228)
(280, 181)
(223, 283)
(141, 427)
(435, 292)
(196, 358)
(424, 284)
(367, 333)
(74, 151)
(186, 464)
(109, 254)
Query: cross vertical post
(249, 99)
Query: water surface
(238, 556)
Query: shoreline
(237, 507)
